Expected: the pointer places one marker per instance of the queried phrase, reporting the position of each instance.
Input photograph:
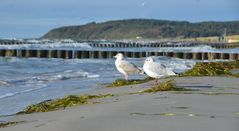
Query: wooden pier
(95, 54)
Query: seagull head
(119, 56)
(149, 59)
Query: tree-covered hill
(145, 28)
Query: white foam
(46, 46)
(203, 48)
(21, 92)
(93, 76)
(176, 64)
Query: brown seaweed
(168, 85)
(213, 69)
(62, 103)
(122, 82)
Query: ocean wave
(41, 78)
(176, 64)
(203, 48)
(47, 46)
(3, 82)
(21, 92)
(200, 48)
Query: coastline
(213, 107)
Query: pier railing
(95, 54)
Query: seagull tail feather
(141, 71)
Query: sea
(26, 81)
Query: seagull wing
(156, 68)
(128, 67)
(160, 69)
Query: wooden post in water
(216, 55)
(38, 53)
(10, 52)
(85, 54)
(199, 56)
(204, 56)
(49, 53)
(170, 54)
(151, 54)
(226, 56)
(237, 58)
(100, 54)
(109, 54)
(210, 55)
(221, 55)
(76, 54)
(53, 53)
(32, 53)
(187, 55)
(232, 56)
(142, 54)
(2, 52)
(136, 55)
(128, 54)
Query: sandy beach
(215, 107)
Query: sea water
(26, 81)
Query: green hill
(145, 28)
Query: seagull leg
(126, 77)
(156, 82)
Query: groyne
(96, 54)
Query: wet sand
(214, 108)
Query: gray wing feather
(164, 66)
(157, 68)
(160, 69)
(128, 67)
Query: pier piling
(70, 54)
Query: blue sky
(33, 18)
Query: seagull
(126, 67)
(156, 70)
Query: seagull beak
(115, 56)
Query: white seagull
(156, 70)
(126, 67)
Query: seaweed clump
(62, 103)
(213, 69)
(122, 82)
(6, 124)
(168, 85)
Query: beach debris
(82, 117)
(180, 107)
(39, 125)
(6, 124)
(137, 113)
(164, 114)
(167, 114)
(121, 82)
(191, 115)
(212, 117)
(62, 103)
(237, 113)
(213, 69)
(219, 93)
(167, 85)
